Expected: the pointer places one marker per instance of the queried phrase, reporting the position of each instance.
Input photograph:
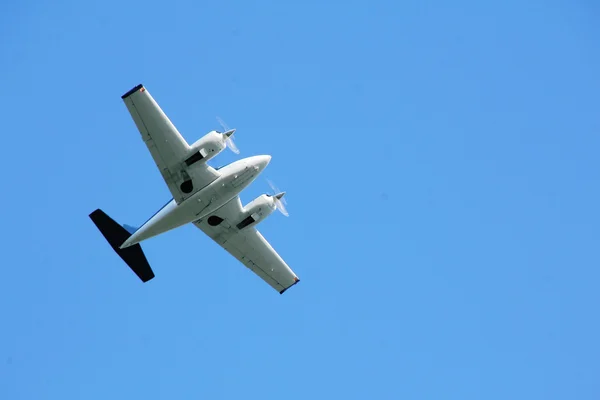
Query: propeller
(280, 202)
(227, 133)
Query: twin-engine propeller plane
(202, 195)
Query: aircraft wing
(166, 145)
(248, 246)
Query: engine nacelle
(256, 211)
(205, 148)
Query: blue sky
(442, 176)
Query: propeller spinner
(280, 202)
(227, 136)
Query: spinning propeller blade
(280, 202)
(227, 136)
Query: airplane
(201, 195)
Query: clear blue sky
(442, 169)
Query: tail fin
(130, 229)
(115, 234)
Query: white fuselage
(233, 178)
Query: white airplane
(202, 195)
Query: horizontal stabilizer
(115, 234)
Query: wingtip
(132, 91)
(296, 280)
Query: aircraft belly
(234, 178)
(199, 205)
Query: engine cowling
(205, 148)
(256, 211)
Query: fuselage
(233, 178)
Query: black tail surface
(115, 234)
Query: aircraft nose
(263, 161)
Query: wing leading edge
(166, 145)
(248, 246)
